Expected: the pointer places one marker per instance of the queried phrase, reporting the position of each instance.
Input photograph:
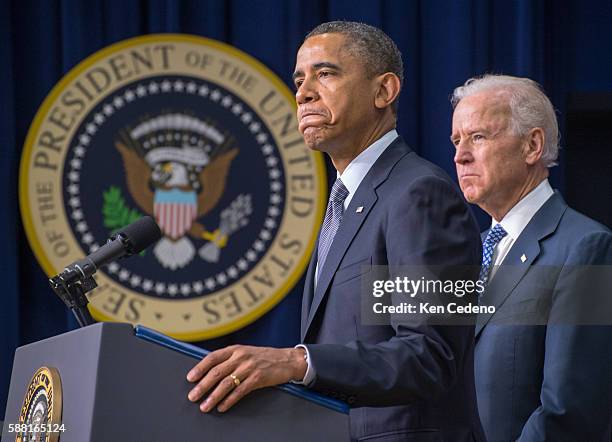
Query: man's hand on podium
(227, 375)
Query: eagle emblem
(176, 169)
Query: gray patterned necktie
(331, 222)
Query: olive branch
(116, 212)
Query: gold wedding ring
(235, 379)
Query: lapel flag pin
(359, 209)
(523, 258)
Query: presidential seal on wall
(41, 414)
(203, 138)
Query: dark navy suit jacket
(541, 372)
(404, 383)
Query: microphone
(77, 279)
(128, 241)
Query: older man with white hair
(543, 370)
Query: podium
(124, 384)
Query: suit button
(351, 400)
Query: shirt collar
(360, 166)
(519, 216)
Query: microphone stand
(71, 290)
(76, 280)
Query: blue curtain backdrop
(565, 45)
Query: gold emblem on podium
(41, 413)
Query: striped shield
(175, 211)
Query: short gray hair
(379, 53)
(529, 105)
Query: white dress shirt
(352, 177)
(357, 169)
(517, 219)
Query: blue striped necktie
(331, 222)
(494, 236)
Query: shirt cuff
(310, 375)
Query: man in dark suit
(543, 367)
(388, 207)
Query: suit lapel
(527, 246)
(508, 276)
(308, 291)
(365, 197)
(349, 226)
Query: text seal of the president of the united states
(203, 138)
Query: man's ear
(388, 89)
(533, 147)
